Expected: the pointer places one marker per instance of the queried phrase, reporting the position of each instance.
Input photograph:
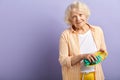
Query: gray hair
(76, 5)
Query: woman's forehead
(76, 11)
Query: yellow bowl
(101, 54)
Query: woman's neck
(83, 29)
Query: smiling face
(78, 19)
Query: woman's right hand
(90, 57)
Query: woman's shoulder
(65, 31)
(96, 28)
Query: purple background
(29, 37)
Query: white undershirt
(87, 45)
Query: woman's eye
(73, 17)
(80, 14)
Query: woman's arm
(103, 45)
(64, 58)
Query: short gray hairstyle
(76, 5)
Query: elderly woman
(80, 41)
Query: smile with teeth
(78, 22)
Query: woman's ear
(70, 21)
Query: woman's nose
(78, 18)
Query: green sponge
(88, 63)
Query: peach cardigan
(69, 47)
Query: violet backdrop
(30, 31)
